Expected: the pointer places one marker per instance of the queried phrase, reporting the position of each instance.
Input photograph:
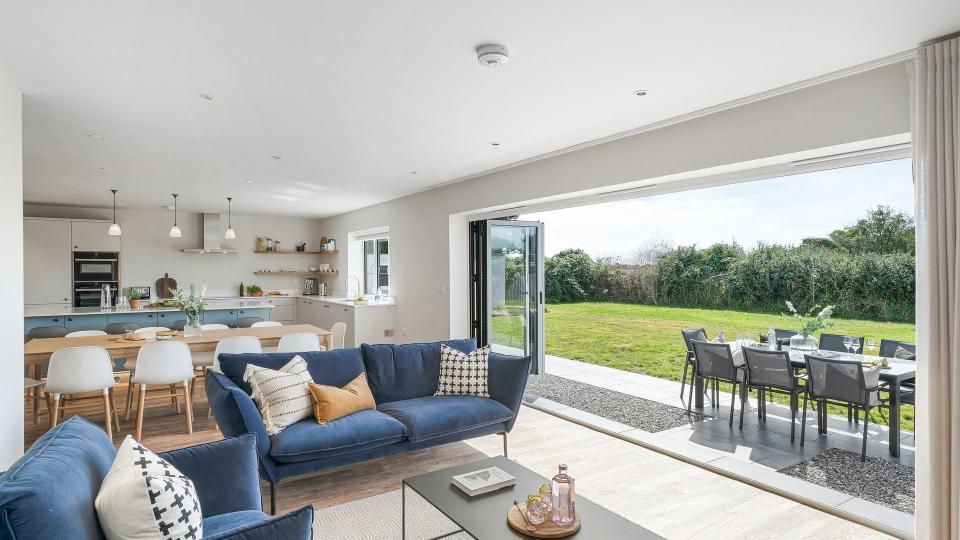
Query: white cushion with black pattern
(463, 374)
(145, 497)
(283, 395)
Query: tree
(882, 231)
(569, 276)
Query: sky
(778, 210)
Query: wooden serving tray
(547, 529)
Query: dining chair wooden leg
(63, 409)
(130, 385)
(107, 415)
(174, 398)
(113, 407)
(37, 392)
(188, 403)
(55, 412)
(141, 398)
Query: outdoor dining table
(898, 372)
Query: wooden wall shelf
(296, 274)
(334, 252)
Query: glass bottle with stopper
(564, 509)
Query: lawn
(646, 339)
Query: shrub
(569, 276)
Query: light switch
(441, 289)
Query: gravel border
(633, 411)
(876, 480)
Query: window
(376, 265)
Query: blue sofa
(402, 378)
(50, 491)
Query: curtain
(936, 162)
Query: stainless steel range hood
(212, 236)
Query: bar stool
(163, 363)
(299, 342)
(79, 370)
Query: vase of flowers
(192, 307)
(810, 322)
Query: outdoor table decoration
(809, 323)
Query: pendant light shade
(229, 235)
(114, 229)
(175, 230)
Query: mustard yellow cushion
(330, 402)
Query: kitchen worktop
(54, 311)
(331, 299)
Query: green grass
(646, 339)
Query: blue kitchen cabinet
(86, 322)
(143, 319)
(167, 318)
(220, 316)
(263, 313)
(29, 323)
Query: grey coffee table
(484, 517)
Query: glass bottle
(564, 510)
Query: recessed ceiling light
(640, 92)
(209, 97)
(93, 136)
(105, 169)
(414, 172)
(248, 181)
(494, 143)
(277, 157)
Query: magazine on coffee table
(483, 481)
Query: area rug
(651, 416)
(876, 480)
(378, 518)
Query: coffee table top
(485, 516)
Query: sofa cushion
(233, 520)
(333, 368)
(307, 440)
(398, 372)
(55, 483)
(435, 416)
(281, 394)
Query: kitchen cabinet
(263, 313)
(46, 262)
(365, 324)
(92, 236)
(29, 323)
(86, 322)
(284, 310)
(220, 316)
(167, 318)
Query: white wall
(11, 272)
(148, 252)
(428, 234)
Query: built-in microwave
(91, 271)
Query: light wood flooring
(672, 498)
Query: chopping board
(165, 285)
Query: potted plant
(254, 290)
(809, 323)
(192, 307)
(134, 298)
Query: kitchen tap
(348, 286)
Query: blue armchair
(50, 491)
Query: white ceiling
(355, 95)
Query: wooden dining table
(37, 352)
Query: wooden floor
(670, 497)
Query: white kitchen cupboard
(92, 236)
(284, 310)
(46, 261)
(365, 324)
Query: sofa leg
(273, 499)
(505, 444)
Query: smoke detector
(492, 55)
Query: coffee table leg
(403, 511)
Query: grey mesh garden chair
(770, 371)
(834, 342)
(689, 335)
(783, 336)
(714, 362)
(843, 382)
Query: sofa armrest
(507, 379)
(296, 525)
(223, 472)
(237, 414)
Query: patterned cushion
(904, 354)
(282, 395)
(463, 374)
(144, 497)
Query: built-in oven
(91, 271)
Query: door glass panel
(514, 288)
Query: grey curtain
(936, 162)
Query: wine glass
(855, 344)
(847, 340)
(871, 345)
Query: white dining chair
(130, 364)
(266, 324)
(81, 370)
(339, 331)
(214, 326)
(233, 345)
(299, 342)
(150, 330)
(163, 363)
(204, 360)
(85, 333)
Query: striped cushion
(283, 396)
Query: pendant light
(229, 235)
(114, 229)
(175, 231)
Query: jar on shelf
(261, 246)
